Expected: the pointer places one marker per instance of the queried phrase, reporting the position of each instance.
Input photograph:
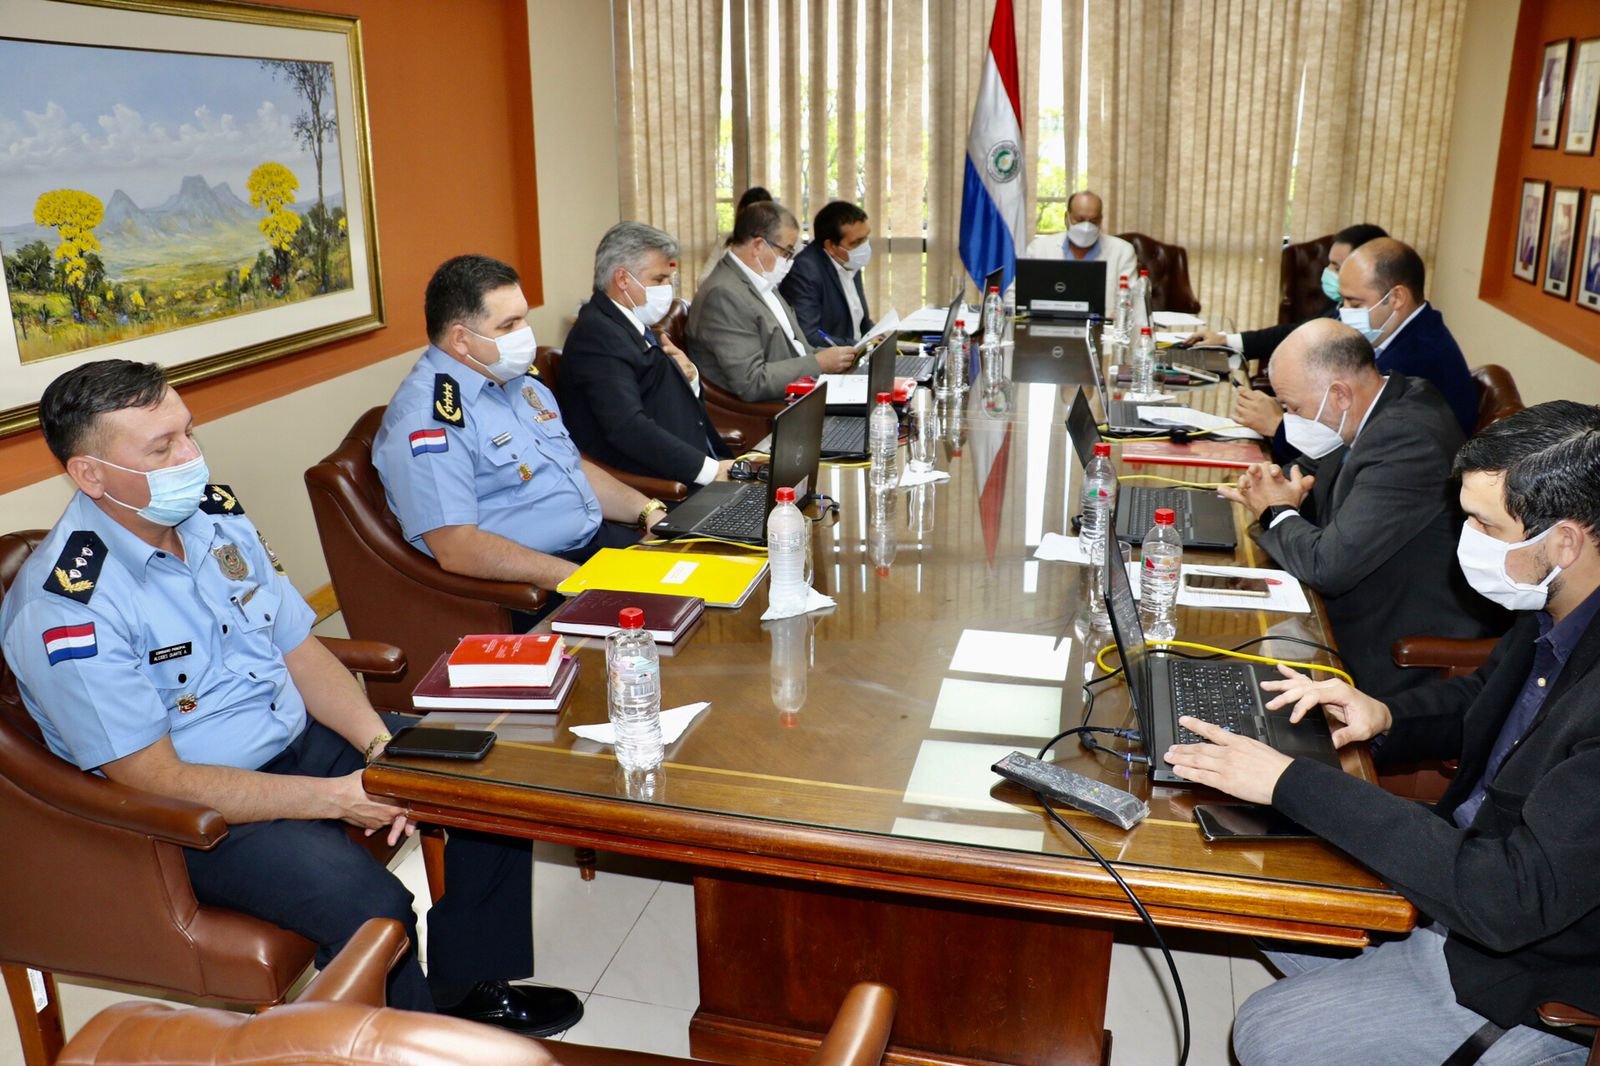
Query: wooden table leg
(40, 1030)
(976, 984)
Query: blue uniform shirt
(116, 645)
(456, 449)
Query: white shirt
(708, 468)
(852, 300)
(774, 303)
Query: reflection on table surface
(950, 646)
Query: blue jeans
(1392, 1003)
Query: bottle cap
(784, 495)
(631, 618)
(1144, 331)
(883, 397)
(1166, 516)
(1143, 273)
(1123, 284)
(994, 288)
(1103, 448)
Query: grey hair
(625, 245)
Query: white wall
(1544, 368)
(575, 141)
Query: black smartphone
(1227, 584)
(1246, 821)
(426, 742)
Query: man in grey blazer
(1374, 530)
(742, 334)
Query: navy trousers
(310, 877)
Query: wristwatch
(650, 507)
(1270, 515)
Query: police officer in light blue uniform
(474, 459)
(156, 641)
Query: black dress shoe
(531, 1010)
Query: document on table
(1188, 417)
(1176, 320)
(1284, 592)
(931, 319)
(1038, 656)
(1056, 547)
(884, 326)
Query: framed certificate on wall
(1530, 229)
(1583, 101)
(1552, 93)
(1589, 257)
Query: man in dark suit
(742, 334)
(1374, 529)
(824, 287)
(630, 398)
(1386, 277)
(1503, 867)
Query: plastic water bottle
(787, 544)
(994, 316)
(1162, 558)
(1141, 299)
(1096, 523)
(1144, 364)
(633, 674)
(955, 366)
(1123, 322)
(883, 444)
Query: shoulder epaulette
(78, 568)
(219, 499)
(447, 401)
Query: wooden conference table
(836, 800)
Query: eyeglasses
(788, 252)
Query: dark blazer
(735, 341)
(1518, 889)
(1425, 349)
(1259, 344)
(1378, 538)
(813, 289)
(625, 401)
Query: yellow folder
(720, 580)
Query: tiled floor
(625, 943)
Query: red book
(594, 613)
(505, 660)
(434, 692)
(1236, 454)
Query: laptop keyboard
(741, 517)
(844, 434)
(1222, 694)
(919, 367)
(1143, 500)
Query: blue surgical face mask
(174, 490)
(1360, 319)
(1330, 283)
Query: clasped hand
(1264, 485)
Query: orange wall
(1539, 23)
(450, 107)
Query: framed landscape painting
(198, 194)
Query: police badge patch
(78, 567)
(234, 568)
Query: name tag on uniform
(171, 651)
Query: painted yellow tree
(73, 214)
(272, 187)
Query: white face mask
(516, 354)
(1309, 436)
(859, 256)
(657, 302)
(1083, 234)
(1483, 560)
(1360, 319)
(779, 271)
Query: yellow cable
(1177, 481)
(848, 466)
(697, 540)
(1099, 659)
(1106, 426)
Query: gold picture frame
(233, 112)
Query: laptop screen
(995, 280)
(1082, 429)
(1129, 635)
(1061, 287)
(880, 370)
(797, 446)
(950, 317)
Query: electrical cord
(1144, 915)
(1178, 481)
(699, 539)
(1099, 659)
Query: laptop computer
(1162, 687)
(1122, 416)
(1061, 288)
(844, 436)
(738, 510)
(1204, 520)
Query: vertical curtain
(669, 110)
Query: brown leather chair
(1498, 395)
(738, 421)
(340, 1018)
(94, 880)
(1300, 294)
(1169, 273)
(547, 361)
(1564, 1016)
(388, 590)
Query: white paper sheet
(1176, 320)
(1190, 418)
(1029, 655)
(815, 601)
(1054, 547)
(673, 722)
(931, 319)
